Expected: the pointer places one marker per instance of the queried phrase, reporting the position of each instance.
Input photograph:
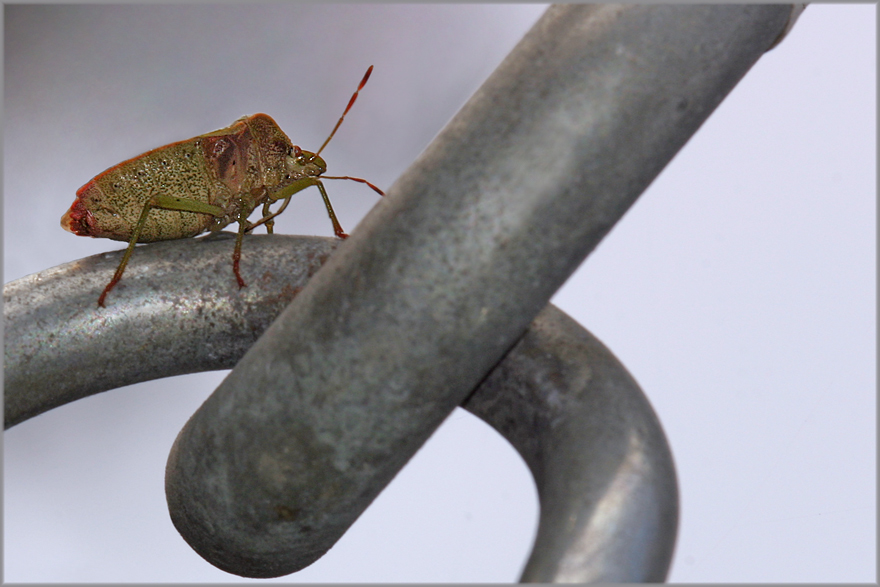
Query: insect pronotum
(204, 183)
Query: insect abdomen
(110, 205)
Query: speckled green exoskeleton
(204, 183)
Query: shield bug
(204, 183)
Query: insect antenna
(375, 189)
(347, 108)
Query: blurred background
(739, 290)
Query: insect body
(205, 183)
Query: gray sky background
(739, 290)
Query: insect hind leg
(120, 269)
(163, 202)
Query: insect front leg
(257, 195)
(165, 203)
(288, 191)
(336, 226)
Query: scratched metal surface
(605, 477)
(446, 273)
(741, 208)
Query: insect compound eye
(296, 154)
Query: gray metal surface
(431, 292)
(605, 477)
(58, 348)
(446, 273)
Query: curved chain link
(442, 290)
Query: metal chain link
(438, 299)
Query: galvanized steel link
(446, 273)
(606, 481)
(468, 247)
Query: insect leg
(164, 202)
(243, 226)
(298, 186)
(268, 219)
(131, 243)
(336, 227)
(251, 201)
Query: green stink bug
(204, 183)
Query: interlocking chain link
(408, 317)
